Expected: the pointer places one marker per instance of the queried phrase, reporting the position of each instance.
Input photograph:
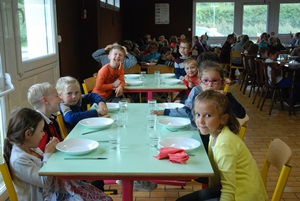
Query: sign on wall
(162, 13)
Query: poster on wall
(162, 13)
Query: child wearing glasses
(25, 159)
(236, 175)
(211, 77)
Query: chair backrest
(8, 181)
(249, 63)
(278, 155)
(133, 69)
(270, 80)
(236, 55)
(61, 124)
(88, 84)
(259, 71)
(161, 68)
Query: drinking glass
(151, 105)
(151, 121)
(123, 105)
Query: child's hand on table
(158, 112)
(102, 109)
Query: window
(255, 20)
(110, 4)
(289, 18)
(215, 19)
(37, 37)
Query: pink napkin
(175, 155)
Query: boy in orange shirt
(110, 79)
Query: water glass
(143, 74)
(154, 137)
(156, 74)
(114, 140)
(123, 105)
(151, 121)
(151, 105)
(122, 119)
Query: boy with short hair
(184, 50)
(110, 79)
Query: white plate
(77, 146)
(174, 123)
(167, 75)
(132, 76)
(170, 105)
(112, 107)
(96, 123)
(134, 82)
(172, 81)
(184, 143)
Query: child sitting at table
(45, 100)
(110, 78)
(152, 53)
(236, 175)
(184, 50)
(71, 107)
(25, 159)
(211, 77)
(280, 80)
(166, 57)
(191, 78)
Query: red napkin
(175, 155)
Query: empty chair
(249, 73)
(278, 155)
(233, 66)
(8, 181)
(162, 69)
(259, 78)
(133, 69)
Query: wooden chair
(270, 86)
(249, 73)
(161, 68)
(235, 54)
(87, 86)
(136, 69)
(259, 78)
(61, 124)
(133, 69)
(278, 155)
(8, 181)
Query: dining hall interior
(83, 26)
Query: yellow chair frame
(87, 86)
(8, 181)
(61, 124)
(279, 155)
(235, 54)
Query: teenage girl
(236, 175)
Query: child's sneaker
(144, 185)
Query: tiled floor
(262, 128)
